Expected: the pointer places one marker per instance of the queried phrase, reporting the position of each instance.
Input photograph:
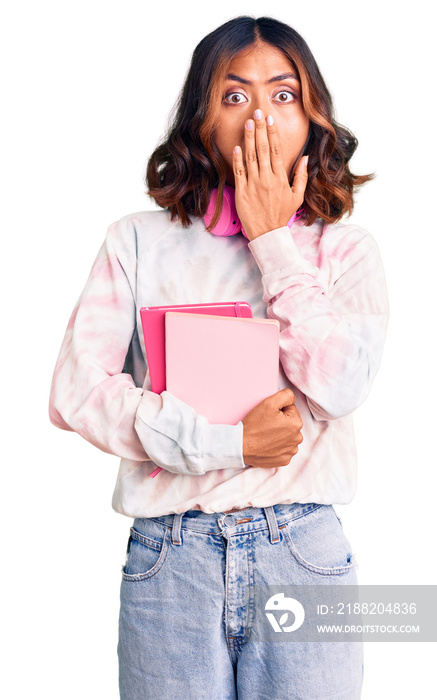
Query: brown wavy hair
(187, 165)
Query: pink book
(153, 322)
(221, 366)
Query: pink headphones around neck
(229, 223)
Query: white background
(89, 86)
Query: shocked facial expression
(261, 77)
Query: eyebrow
(275, 79)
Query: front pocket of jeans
(317, 542)
(146, 556)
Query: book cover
(221, 366)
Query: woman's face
(261, 77)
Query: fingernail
(237, 150)
(249, 125)
(258, 114)
(306, 160)
(270, 120)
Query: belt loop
(176, 529)
(273, 524)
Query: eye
(234, 98)
(285, 96)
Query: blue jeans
(186, 616)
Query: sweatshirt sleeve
(91, 395)
(331, 335)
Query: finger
(277, 164)
(290, 410)
(300, 180)
(238, 167)
(262, 142)
(296, 421)
(250, 149)
(283, 399)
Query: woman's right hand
(271, 431)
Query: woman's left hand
(263, 196)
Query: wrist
(252, 232)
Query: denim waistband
(238, 522)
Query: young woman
(246, 505)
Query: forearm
(330, 339)
(132, 423)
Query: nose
(262, 103)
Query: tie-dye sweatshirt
(324, 284)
